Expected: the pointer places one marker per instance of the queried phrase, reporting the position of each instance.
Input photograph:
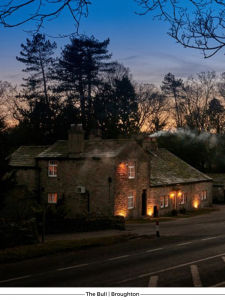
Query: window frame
(54, 165)
(131, 169)
(130, 197)
(52, 198)
(166, 200)
(203, 195)
(162, 201)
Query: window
(166, 200)
(52, 198)
(131, 170)
(183, 198)
(130, 200)
(203, 195)
(162, 199)
(52, 168)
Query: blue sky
(138, 42)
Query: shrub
(174, 212)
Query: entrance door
(144, 203)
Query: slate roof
(25, 156)
(168, 169)
(102, 148)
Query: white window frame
(204, 195)
(162, 201)
(183, 198)
(166, 201)
(131, 170)
(52, 198)
(52, 168)
(130, 200)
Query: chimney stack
(150, 143)
(76, 138)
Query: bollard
(157, 228)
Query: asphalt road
(189, 253)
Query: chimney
(76, 138)
(150, 143)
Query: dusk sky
(136, 41)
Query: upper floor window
(203, 195)
(131, 197)
(52, 198)
(52, 168)
(131, 169)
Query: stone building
(105, 177)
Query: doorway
(144, 203)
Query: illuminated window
(130, 200)
(131, 170)
(52, 168)
(203, 195)
(162, 199)
(166, 200)
(52, 198)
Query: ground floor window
(183, 198)
(52, 198)
(131, 198)
(164, 201)
(203, 195)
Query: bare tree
(199, 91)
(153, 109)
(7, 94)
(13, 14)
(197, 24)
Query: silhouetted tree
(173, 89)
(79, 71)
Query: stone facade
(111, 177)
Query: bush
(174, 212)
(82, 224)
(16, 234)
(183, 210)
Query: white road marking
(223, 258)
(157, 249)
(195, 276)
(172, 268)
(72, 267)
(17, 278)
(153, 281)
(184, 244)
(210, 238)
(119, 257)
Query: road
(189, 253)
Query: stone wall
(90, 173)
(124, 185)
(193, 191)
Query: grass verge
(53, 247)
